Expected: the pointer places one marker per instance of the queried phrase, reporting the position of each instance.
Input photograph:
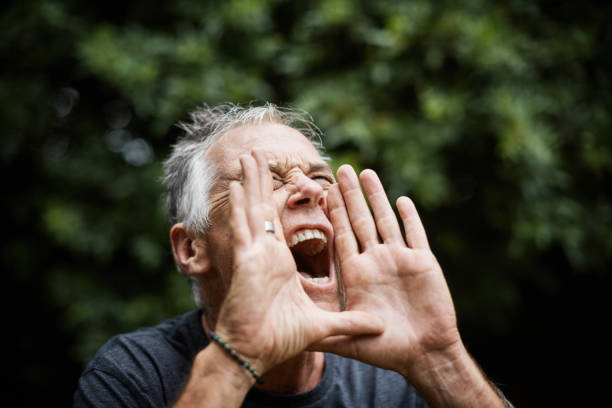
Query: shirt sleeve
(98, 388)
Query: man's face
(300, 180)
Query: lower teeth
(324, 279)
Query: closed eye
(322, 179)
(326, 178)
(277, 182)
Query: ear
(190, 252)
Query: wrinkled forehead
(283, 146)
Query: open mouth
(310, 251)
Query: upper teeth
(306, 234)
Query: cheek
(325, 207)
(222, 254)
(280, 197)
(219, 206)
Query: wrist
(249, 352)
(236, 356)
(450, 377)
(213, 361)
(216, 379)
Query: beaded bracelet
(234, 354)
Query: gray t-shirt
(149, 368)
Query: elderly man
(306, 297)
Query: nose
(307, 193)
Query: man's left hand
(394, 278)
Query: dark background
(494, 116)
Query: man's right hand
(266, 316)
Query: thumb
(341, 345)
(353, 323)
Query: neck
(297, 375)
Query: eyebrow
(320, 167)
(312, 167)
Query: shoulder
(150, 363)
(176, 338)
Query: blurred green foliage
(494, 116)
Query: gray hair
(189, 176)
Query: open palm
(266, 316)
(394, 278)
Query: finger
(252, 193)
(386, 221)
(353, 323)
(265, 178)
(238, 220)
(344, 239)
(341, 345)
(266, 186)
(250, 179)
(357, 208)
(413, 228)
